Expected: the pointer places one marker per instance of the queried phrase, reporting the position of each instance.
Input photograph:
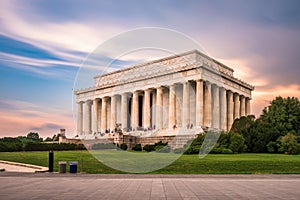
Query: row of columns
(216, 107)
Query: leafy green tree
(34, 137)
(242, 123)
(289, 144)
(236, 144)
(258, 135)
(283, 114)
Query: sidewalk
(20, 167)
(138, 187)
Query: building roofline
(164, 59)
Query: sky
(43, 44)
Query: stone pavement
(89, 186)
(20, 167)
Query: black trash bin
(62, 166)
(73, 167)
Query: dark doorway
(151, 104)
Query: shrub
(123, 146)
(137, 147)
(149, 147)
(289, 144)
(236, 143)
(99, 146)
(179, 150)
(164, 149)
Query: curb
(39, 169)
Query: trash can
(62, 166)
(73, 167)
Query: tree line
(277, 130)
(33, 142)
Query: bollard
(51, 161)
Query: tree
(34, 137)
(289, 144)
(236, 144)
(258, 135)
(242, 123)
(283, 114)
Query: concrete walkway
(81, 186)
(20, 167)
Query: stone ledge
(38, 168)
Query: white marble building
(183, 91)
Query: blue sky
(43, 43)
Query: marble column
(248, 108)
(124, 111)
(147, 109)
(229, 110)
(95, 115)
(242, 106)
(216, 107)
(159, 108)
(186, 105)
(207, 105)
(135, 110)
(80, 118)
(172, 106)
(223, 104)
(104, 115)
(88, 118)
(113, 112)
(199, 103)
(236, 100)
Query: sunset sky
(43, 43)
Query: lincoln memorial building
(182, 92)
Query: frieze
(163, 69)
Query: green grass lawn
(186, 164)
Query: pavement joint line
(264, 177)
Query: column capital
(207, 83)
(235, 94)
(105, 98)
(89, 101)
(160, 87)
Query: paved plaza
(87, 186)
